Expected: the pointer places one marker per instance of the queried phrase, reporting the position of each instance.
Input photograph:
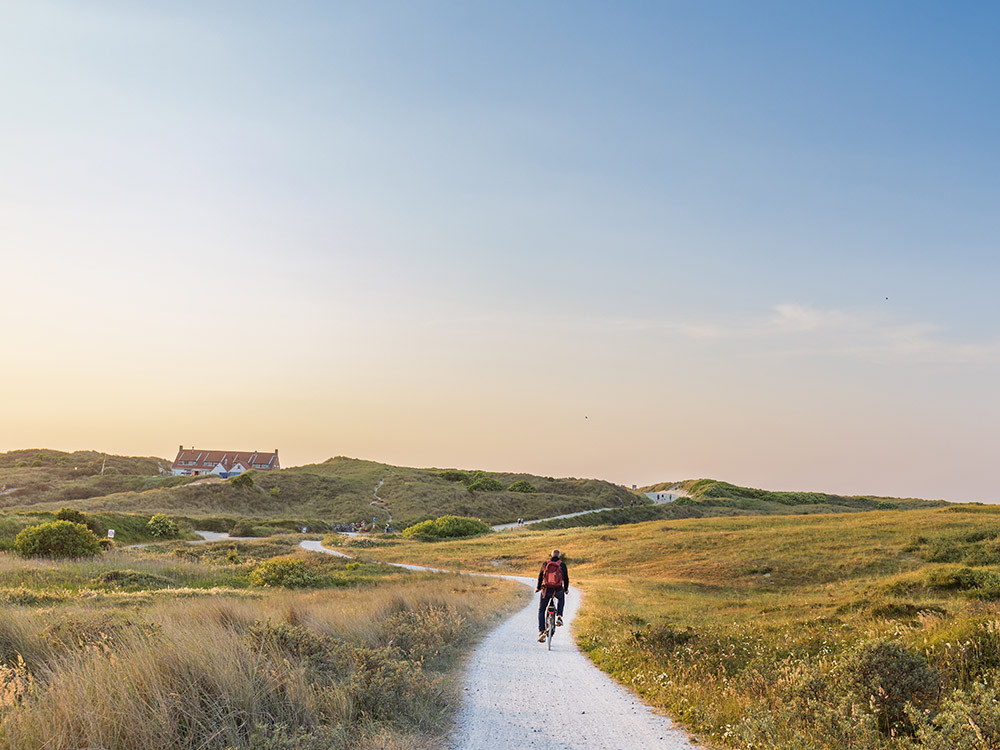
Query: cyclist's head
(556, 554)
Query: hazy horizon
(648, 242)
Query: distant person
(553, 581)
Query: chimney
(180, 447)
(276, 451)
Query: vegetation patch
(161, 527)
(522, 485)
(287, 572)
(248, 528)
(447, 527)
(57, 539)
(131, 580)
(285, 670)
(486, 484)
(842, 635)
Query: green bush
(75, 516)
(447, 527)
(57, 539)
(486, 484)
(522, 485)
(131, 580)
(242, 480)
(452, 475)
(966, 721)
(246, 528)
(883, 677)
(284, 571)
(161, 526)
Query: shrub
(452, 475)
(884, 676)
(242, 480)
(942, 551)
(161, 526)
(522, 485)
(246, 528)
(486, 484)
(283, 571)
(966, 721)
(131, 580)
(275, 492)
(58, 539)
(447, 527)
(75, 516)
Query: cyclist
(553, 581)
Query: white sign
(111, 533)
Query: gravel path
(511, 680)
(667, 498)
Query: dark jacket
(565, 573)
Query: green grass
(748, 629)
(175, 565)
(340, 490)
(712, 493)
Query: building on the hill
(222, 463)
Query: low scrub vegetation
(337, 491)
(794, 632)
(268, 670)
(284, 571)
(447, 527)
(485, 484)
(57, 539)
(162, 527)
(522, 485)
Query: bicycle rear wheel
(551, 623)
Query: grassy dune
(177, 650)
(787, 631)
(339, 490)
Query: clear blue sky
(644, 241)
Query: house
(225, 464)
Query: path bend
(511, 680)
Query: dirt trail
(511, 679)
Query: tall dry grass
(323, 669)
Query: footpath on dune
(661, 499)
(518, 694)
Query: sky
(640, 241)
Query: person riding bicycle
(553, 581)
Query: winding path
(669, 498)
(511, 680)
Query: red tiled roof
(193, 458)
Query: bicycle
(550, 622)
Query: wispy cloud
(801, 329)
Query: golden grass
(725, 622)
(267, 669)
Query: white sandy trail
(666, 498)
(519, 695)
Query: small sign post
(111, 533)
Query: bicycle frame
(550, 621)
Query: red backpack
(552, 578)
